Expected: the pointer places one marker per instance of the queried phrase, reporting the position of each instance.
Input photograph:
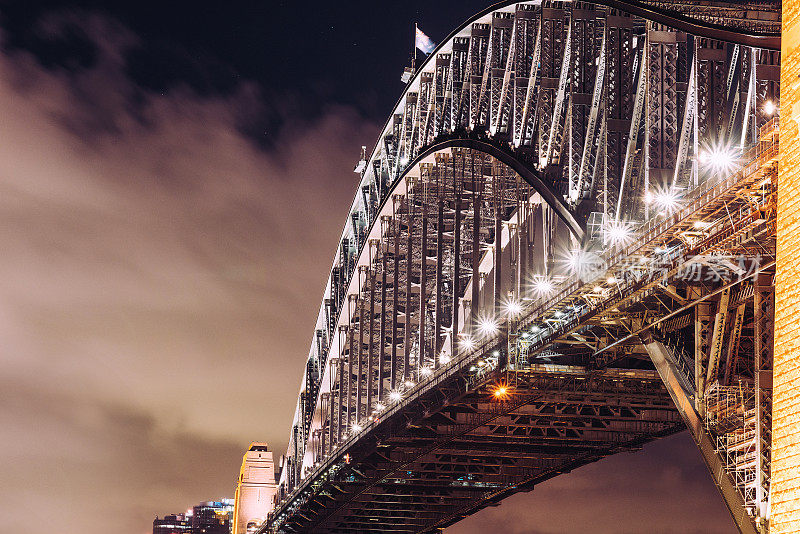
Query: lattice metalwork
(539, 225)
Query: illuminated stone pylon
(255, 489)
(785, 468)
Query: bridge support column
(785, 465)
(682, 395)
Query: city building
(209, 517)
(212, 517)
(172, 524)
(255, 489)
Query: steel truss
(531, 133)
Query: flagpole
(414, 59)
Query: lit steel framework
(561, 247)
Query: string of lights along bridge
(565, 243)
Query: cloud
(82, 464)
(159, 283)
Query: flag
(423, 42)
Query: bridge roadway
(561, 246)
(455, 444)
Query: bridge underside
(459, 448)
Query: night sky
(173, 181)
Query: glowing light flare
(770, 108)
(542, 285)
(355, 427)
(467, 342)
(487, 326)
(617, 233)
(501, 392)
(575, 260)
(719, 159)
(513, 307)
(395, 396)
(668, 200)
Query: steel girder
(528, 132)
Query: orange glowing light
(501, 392)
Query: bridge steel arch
(535, 139)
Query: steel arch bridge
(561, 247)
